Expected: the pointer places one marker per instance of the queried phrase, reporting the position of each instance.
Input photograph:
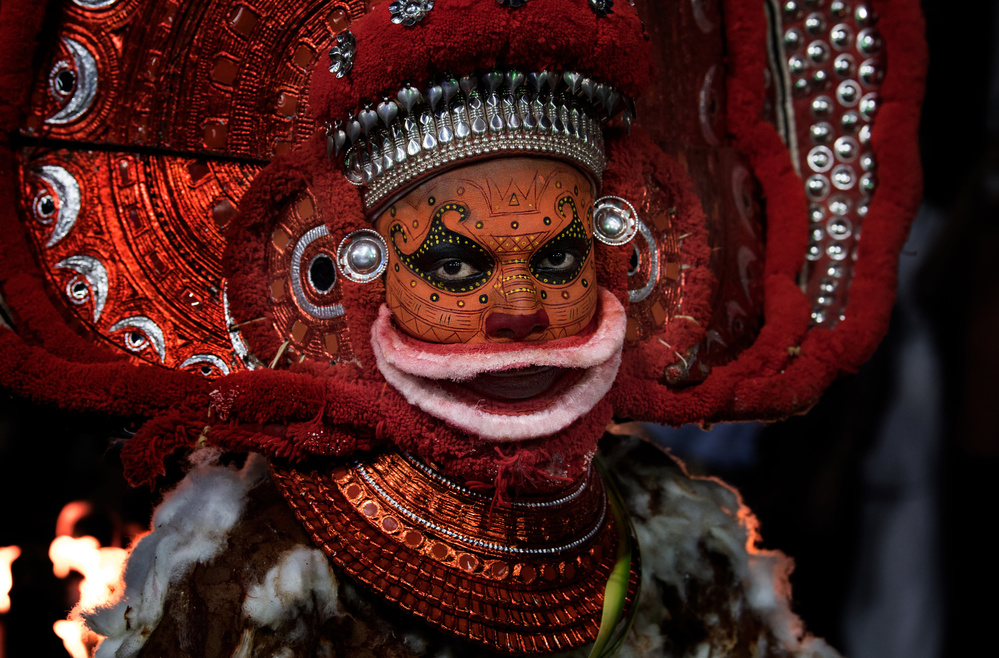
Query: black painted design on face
(561, 259)
(447, 260)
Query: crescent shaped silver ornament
(206, 359)
(67, 190)
(151, 331)
(86, 84)
(96, 276)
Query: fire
(71, 634)
(100, 567)
(7, 556)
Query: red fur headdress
(155, 191)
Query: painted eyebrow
(572, 236)
(442, 243)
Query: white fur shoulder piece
(190, 526)
(702, 570)
(301, 581)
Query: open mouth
(509, 391)
(513, 392)
(516, 384)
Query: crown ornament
(388, 146)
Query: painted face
(491, 270)
(493, 252)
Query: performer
(462, 262)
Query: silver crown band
(392, 146)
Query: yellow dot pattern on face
(575, 231)
(437, 235)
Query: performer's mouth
(515, 384)
(513, 392)
(506, 391)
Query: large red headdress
(166, 198)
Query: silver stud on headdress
(615, 221)
(362, 256)
(342, 53)
(388, 145)
(409, 12)
(602, 7)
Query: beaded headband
(389, 147)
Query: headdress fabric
(152, 211)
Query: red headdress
(166, 197)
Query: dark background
(880, 493)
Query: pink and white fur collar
(412, 367)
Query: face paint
(499, 251)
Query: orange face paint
(498, 251)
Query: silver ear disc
(362, 256)
(615, 221)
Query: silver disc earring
(362, 256)
(615, 221)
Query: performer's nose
(506, 326)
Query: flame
(71, 634)
(7, 556)
(69, 515)
(100, 567)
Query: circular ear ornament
(615, 221)
(362, 256)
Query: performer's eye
(558, 262)
(453, 269)
(561, 260)
(446, 259)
